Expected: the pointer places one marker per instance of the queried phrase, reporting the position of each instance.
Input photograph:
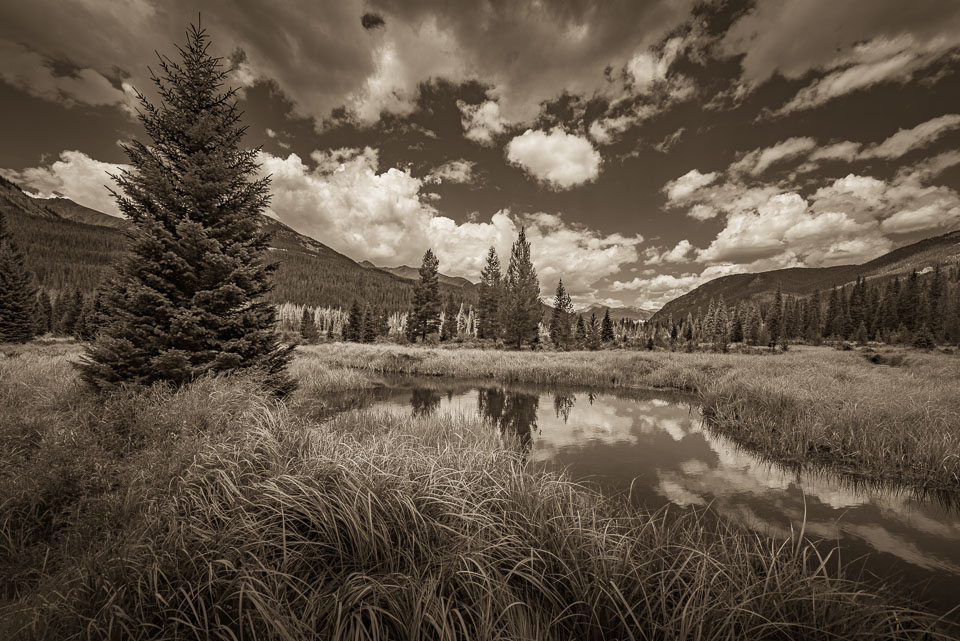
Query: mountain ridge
(802, 281)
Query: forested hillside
(68, 247)
(803, 281)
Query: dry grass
(213, 512)
(815, 406)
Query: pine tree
(308, 327)
(191, 297)
(43, 313)
(775, 317)
(606, 328)
(73, 313)
(521, 315)
(368, 332)
(581, 333)
(490, 292)
(560, 321)
(448, 331)
(426, 298)
(353, 329)
(17, 293)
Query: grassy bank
(215, 512)
(896, 420)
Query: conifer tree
(369, 329)
(17, 293)
(581, 333)
(426, 298)
(191, 297)
(491, 290)
(73, 312)
(448, 330)
(43, 313)
(308, 327)
(774, 319)
(353, 329)
(606, 328)
(593, 332)
(521, 317)
(560, 320)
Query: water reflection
(513, 413)
(654, 446)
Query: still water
(654, 446)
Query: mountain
(802, 281)
(413, 273)
(616, 313)
(68, 246)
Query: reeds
(809, 406)
(213, 512)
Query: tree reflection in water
(513, 413)
(562, 404)
(424, 401)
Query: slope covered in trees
(759, 288)
(70, 247)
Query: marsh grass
(893, 416)
(214, 512)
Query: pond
(653, 445)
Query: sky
(646, 147)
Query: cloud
(453, 171)
(870, 63)
(646, 68)
(559, 159)
(758, 160)
(606, 130)
(679, 254)
(346, 202)
(895, 146)
(656, 290)
(481, 123)
(75, 176)
(907, 140)
(686, 185)
(890, 42)
(31, 72)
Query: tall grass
(214, 512)
(809, 406)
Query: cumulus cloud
(74, 175)
(453, 171)
(346, 202)
(757, 161)
(556, 158)
(686, 185)
(679, 254)
(481, 123)
(31, 72)
(654, 291)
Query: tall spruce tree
(308, 327)
(353, 328)
(491, 290)
(521, 317)
(190, 299)
(606, 327)
(560, 333)
(775, 317)
(17, 293)
(426, 298)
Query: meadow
(215, 511)
(888, 415)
